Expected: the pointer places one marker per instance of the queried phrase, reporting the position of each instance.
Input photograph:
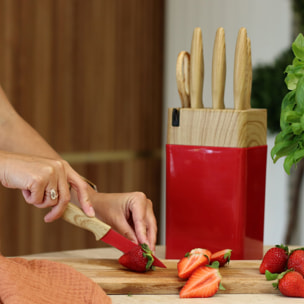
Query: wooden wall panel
(88, 76)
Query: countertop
(153, 299)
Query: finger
(34, 195)
(126, 230)
(152, 231)
(81, 188)
(139, 222)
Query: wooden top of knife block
(217, 128)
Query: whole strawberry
(296, 260)
(138, 259)
(291, 284)
(275, 259)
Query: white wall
(268, 24)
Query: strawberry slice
(192, 260)
(203, 283)
(138, 259)
(222, 256)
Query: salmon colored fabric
(46, 282)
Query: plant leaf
(298, 47)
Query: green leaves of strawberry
(147, 253)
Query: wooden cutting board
(239, 277)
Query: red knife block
(215, 181)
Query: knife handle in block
(196, 69)
(219, 70)
(249, 76)
(77, 217)
(241, 72)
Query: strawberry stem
(147, 253)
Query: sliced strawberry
(203, 283)
(138, 259)
(192, 260)
(222, 256)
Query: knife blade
(101, 230)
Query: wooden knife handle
(182, 78)
(241, 75)
(249, 76)
(219, 70)
(196, 69)
(77, 217)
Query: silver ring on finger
(54, 194)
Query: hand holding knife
(102, 231)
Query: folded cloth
(46, 282)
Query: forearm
(16, 135)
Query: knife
(102, 231)
(182, 78)
(219, 70)
(242, 72)
(196, 69)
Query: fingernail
(91, 211)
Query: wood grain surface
(239, 277)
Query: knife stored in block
(102, 231)
(219, 70)
(196, 69)
(242, 72)
(183, 78)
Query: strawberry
(222, 256)
(138, 259)
(291, 284)
(275, 259)
(296, 260)
(203, 283)
(192, 260)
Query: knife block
(215, 181)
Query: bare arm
(16, 135)
(129, 213)
(19, 140)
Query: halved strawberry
(192, 260)
(222, 256)
(203, 283)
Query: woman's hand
(130, 214)
(44, 182)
